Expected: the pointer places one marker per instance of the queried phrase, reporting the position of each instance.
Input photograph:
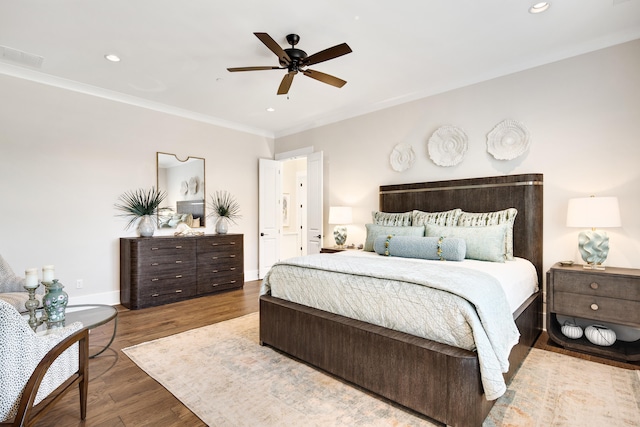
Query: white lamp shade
(593, 212)
(340, 215)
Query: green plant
(224, 205)
(138, 203)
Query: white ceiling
(175, 52)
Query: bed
(440, 381)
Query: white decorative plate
(402, 157)
(193, 185)
(508, 140)
(447, 146)
(184, 187)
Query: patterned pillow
(506, 216)
(433, 248)
(375, 230)
(439, 218)
(389, 218)
(483, 243)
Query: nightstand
(611, 295)
(333, 250)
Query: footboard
(437, 380)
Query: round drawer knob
(594, 307)
(594, 285)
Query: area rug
(226, 378)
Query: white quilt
(461, 307)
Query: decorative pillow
(506, 216)
(375, 230)
(438, 218)
(435, 248)
(483, 243)
(389, 218)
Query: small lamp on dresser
(340, 216)
(592, 212)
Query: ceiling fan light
(539, 7)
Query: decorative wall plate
(402, 157)
(508, 140)
(184, 187)
(193, 185)
(447, 146)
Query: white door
(314, 202)
(270, 214)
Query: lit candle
(31, 278)
(47, 273)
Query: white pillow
(483, 243)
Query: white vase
(221, 225)
(146, 226)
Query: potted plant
(224, 207)
(141, 204)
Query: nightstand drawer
(597, 307)
(590, 283)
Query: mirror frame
(193, 184)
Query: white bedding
(518, 277)
(400, 297)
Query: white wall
(584, 117)
(65, 157)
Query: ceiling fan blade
(285, 84)
(254, 68)
(327, 54)
(325, 78)
(274, 47)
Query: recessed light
(271, 109)
(112, 57)
(539, 7)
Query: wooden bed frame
(436, 380)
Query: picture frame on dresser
(165, 269)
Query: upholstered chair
(35, 366)
(12, 287)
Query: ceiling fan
(296, 60)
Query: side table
(611, 296)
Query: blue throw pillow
(434, 248)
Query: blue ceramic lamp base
(594, 248)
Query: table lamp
(340, 216)
(592, 212)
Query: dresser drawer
(219, 281)
(597, 307)
(597, 285)
(156, 247)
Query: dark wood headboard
(523, 192)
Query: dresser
(611, 296)
(165, 269)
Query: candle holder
(32, 305)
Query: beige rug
(226, 378)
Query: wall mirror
(183, 181)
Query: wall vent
(24, 58)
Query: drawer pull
(154, 249)
(232, 268)
(155, 279)
(214, 271)
(155, 264)
(178, 262)
(232, 243)
(233, 281)
(178, 246)
(178, 291)
(594, 307)
(214, 257)
(594, 285)
(179, 276)
(155, 295)
(214, 244)
(232, 256)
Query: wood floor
(121, 394)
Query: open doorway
(294, 208)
